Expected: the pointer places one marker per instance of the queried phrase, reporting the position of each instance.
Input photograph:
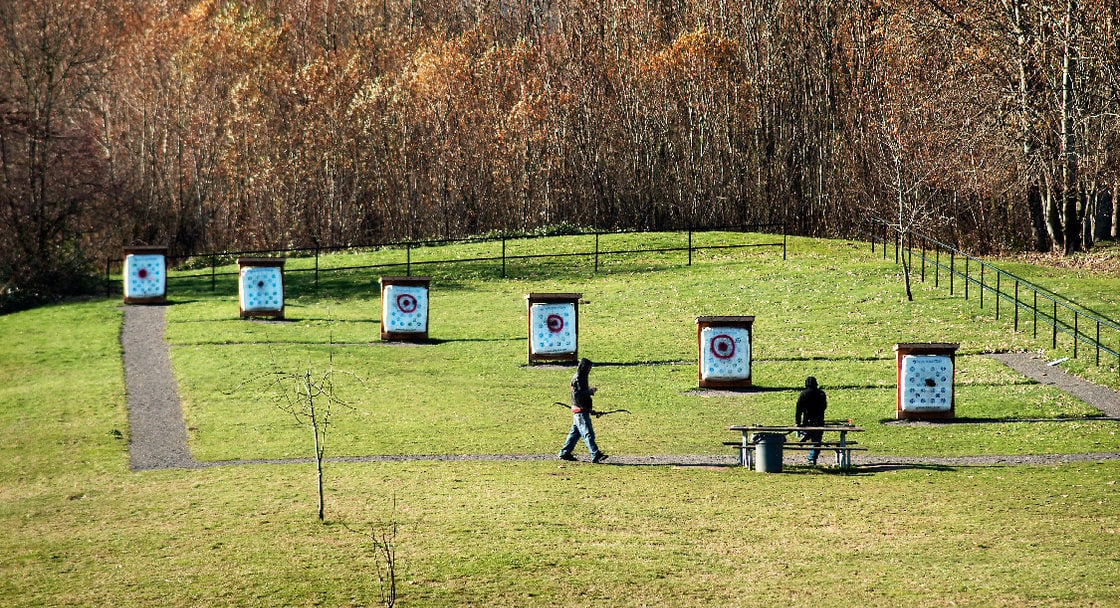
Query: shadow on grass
(967, 420)
(888, 467)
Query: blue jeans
(581, 427)
(815, 437)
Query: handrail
(1058, 304)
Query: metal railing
(1055, 314)
(500, 261)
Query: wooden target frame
(414, 293)
(131, 255)
(558, 306)
(723, 346)
(909, 354)
(247, 264)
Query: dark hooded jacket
(581, 390)
(811, 404)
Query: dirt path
(158, 435)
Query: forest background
(233, 124)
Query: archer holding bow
(581, 415)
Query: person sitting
(811, 404)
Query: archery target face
(927, 383)
(552, 328)
(725, 353)
(404, 308)
(262, 289)
(144, 276)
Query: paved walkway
(159, 437)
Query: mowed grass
(831, 310)
(81, 529)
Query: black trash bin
(768, 452)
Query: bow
(593, 413)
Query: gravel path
(1033, 366)
(157, 433)
(158, 436)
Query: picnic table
(842, 446)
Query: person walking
(811, 404)
(582, 410)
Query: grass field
(81, 529)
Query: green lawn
(81, 529)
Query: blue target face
(725, 353)
(261, 289)
(927, 383)
(145, 276)
(404, 308)
(552, 329)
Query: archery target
(552, 328)
(725, 353)
(927, 383)
(145, 276)
(404, 308)
(262, 289)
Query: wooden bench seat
(824, 448)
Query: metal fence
(1027, 303)
(209, 263)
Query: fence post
(952, 269)
(1016, 304)
(213, 272)
(937, 265)
(966, 279)
(998, 294)
(923, 260)
(1054, 319)
(1034, 314)
(981, 286)
(316, 265)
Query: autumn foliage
(222, 124)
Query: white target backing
(145, 276)
(926, 383)
(552, 328)
(261, 289)
(404, 308)
(725, 353)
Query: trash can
(768, 452)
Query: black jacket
(811, 404)
(581, 391)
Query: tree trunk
(1038, 219)
(1070, 221)
(1115, 211)
(1027, 75)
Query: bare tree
(310, 398)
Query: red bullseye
(555, 323)
(406, 303)
(723, 346)
(143, 273)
